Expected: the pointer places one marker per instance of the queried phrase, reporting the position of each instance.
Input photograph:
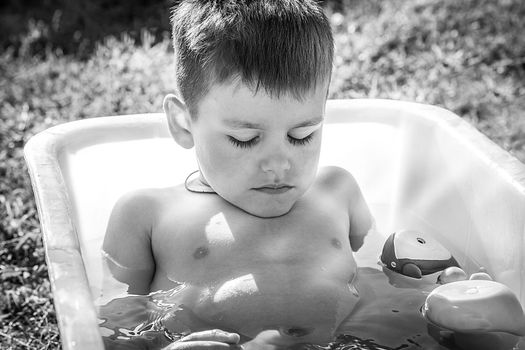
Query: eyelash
(252, 142)
(243, 144)
(300, 142)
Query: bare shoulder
(338, 180)
(147, 210)
(127, 241)
(135, 214)
(343, 186)
(138, 204)
(147, 201)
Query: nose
(276, 163)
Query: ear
(178, 120)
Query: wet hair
(281, 46)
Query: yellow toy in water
(415, 254)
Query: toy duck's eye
(421, 240)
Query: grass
(467, 56)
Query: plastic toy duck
(475, 305)
(415, 254)
(461, 304)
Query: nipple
(200, 252)
(336, 243)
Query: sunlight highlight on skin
(242, 285)
(218, 230)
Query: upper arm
(127, 242)
(361, 220)
(346, 187)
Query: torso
(292, 272)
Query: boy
(261, 239)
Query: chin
(270, 212)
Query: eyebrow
(240, 124)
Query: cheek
(218, 159)
(309, 156)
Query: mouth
(274, 188)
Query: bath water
(390, 318)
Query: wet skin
(250, 274)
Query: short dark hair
(283, 46)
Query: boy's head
(280, 46)
(253, 77)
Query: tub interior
(417, 168)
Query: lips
(274, 188)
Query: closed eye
(300, 142)
(243, 144)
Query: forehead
(235, 101)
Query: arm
(361, 220)
(127, 243)
(345, 187)
(128, 254)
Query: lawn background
(65, 60)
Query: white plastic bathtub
(419, 167)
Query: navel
(201, 252)
(296, 331)
(336, 243)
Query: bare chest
(218, 242)
(293, 272)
